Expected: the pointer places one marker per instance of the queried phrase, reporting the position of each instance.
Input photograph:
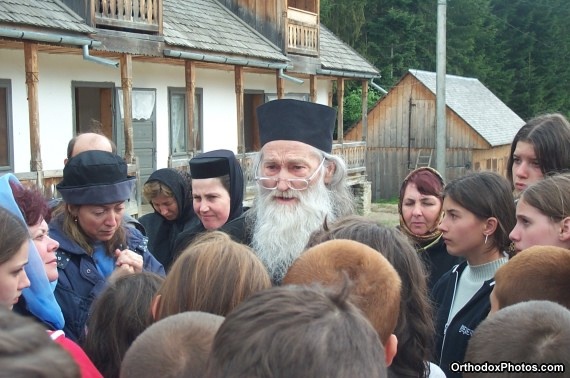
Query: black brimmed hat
(95, 178)
(296, 120)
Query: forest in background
(519, 49)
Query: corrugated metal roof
(50, 14)
(337, 55)
(208, 26)
(477, 105)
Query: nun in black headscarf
(169, 192)
(217, 191)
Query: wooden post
(32, 78)
(239, 103)
(190, 77)
(280, 86)
(340, 101)
(127, 86)
(313, 88)
(364, 110)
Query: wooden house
(164, 79)
(401, 130)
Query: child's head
(537, 273)
(214, 274)
(297, 331)
(529, 332)
(479, 214)
(118, 316)
(376, 289)
(543, 214)
(415, 327)
(176, 346)
(14, 241)
(540, 147)
(26, 350)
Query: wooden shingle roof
(50, 14)
(477, 106)
(337, 55)
(208, 26)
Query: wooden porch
(143, 16)
(353, 153)
(302, 32)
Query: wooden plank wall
(264, 16)
(494, 159)
(401, 126)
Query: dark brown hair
(549, 135)
(13, 234)
(297, 331)
(119, 315)
(486, 194)
(26, 350)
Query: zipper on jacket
(448, 322)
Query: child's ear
(390, 349)
(154, 306)
(565, 229)
(490, 226)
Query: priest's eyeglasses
(293, 183)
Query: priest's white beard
(282, 230)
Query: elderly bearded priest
(299, 183)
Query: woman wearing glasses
(217, 192)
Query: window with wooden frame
(179, 124)
(6, 152)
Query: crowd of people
(298, 285)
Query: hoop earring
(486, 237)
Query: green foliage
(517, 48)
(353, 106)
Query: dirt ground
(384, 213)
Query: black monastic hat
(296, 120)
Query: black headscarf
(210, 165)
(161, 232)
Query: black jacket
(452, 338)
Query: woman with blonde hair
(213, 274)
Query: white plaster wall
(56, 73)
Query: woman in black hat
(94, 243)
(217, 191)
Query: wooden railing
(353, 153)
(143, 15)
(302, 32)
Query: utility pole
(441, 129)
